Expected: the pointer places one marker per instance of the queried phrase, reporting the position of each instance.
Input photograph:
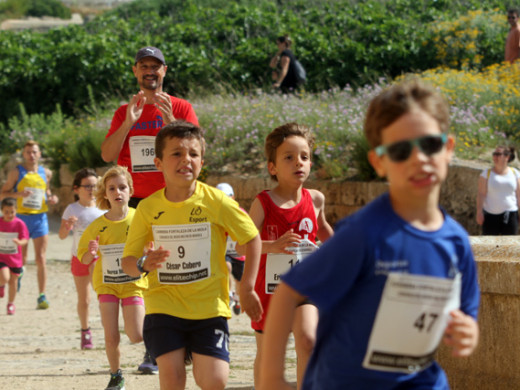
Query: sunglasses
(401, 151)
(498, 154)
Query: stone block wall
(494, 364)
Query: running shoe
(2, 291)
(20, 279)
(10, 309)
(117, 382)
(148, 366)
(86, 339)
(43, 303)
(236, 307)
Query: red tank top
(301, 218)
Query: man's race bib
(142, 153)
(190, 252)
(7, 246)
(111, 261)
(410, 322)
(35, 200)
(279, 263)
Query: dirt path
(39, 349)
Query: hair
(31, 143)
(102, 202)
(8, 202)
(513, 11)
(79, 176)
(400, 99)
(276, 137)
(284, 39)
(178, 129)
(509, 149)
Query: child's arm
(324, 231)
(276, 333)
(66, 226)
(248, 298)
(288, 239)
(153, 260)
(91, 254)
(20, 241)
(462, 334)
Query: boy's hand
(155, 258)
(251, 305)
(287, 240)
(93, 246)
(461, 334)
(52, 199)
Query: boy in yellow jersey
(29, 184)
(187, 301)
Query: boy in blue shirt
(398, 275)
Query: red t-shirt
(146, 178)
(301, 218)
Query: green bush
(36, 8)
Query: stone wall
(342, 197)
(494, 364)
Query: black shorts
(237, 267)
(14, 270)
(163, 333)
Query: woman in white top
(499, 195)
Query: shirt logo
(272, 232)
(196, 211)
(103, 229)
(306, 225)
(158, 215)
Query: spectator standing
(513, 37)
(131, 136)
(499, 195)
(283, 63)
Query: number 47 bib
(410, 322)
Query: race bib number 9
(190, 252)
(142, 153)
(410, 322)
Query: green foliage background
(213, 46)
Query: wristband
(140, 263)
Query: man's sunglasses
(401, 151)
(498, 154)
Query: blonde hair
(101, 201)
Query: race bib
(111, 262)
(35, 200)
(410, 322)
(279, 263)
(7, 246)
(190, 252)
(142, 153)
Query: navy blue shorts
(163, 333)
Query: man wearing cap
(131, 137)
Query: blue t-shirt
(345, 279)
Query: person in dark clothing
(283, 65)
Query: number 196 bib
(142, 153)
(410, 322)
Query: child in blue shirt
(398, 275)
